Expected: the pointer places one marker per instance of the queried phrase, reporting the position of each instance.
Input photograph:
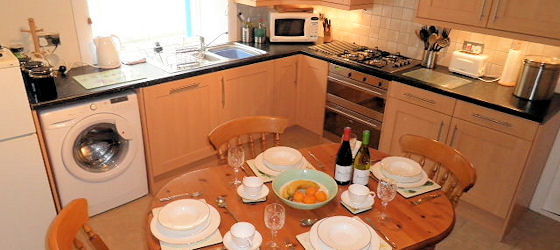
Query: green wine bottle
(361, 162)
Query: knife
(95, 240)
(389, 241)
(425, 198)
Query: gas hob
(365, 56)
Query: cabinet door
(498, 158)
(402, 118)
(474, 12)
(285, 87)
(537, 17)
(247, 91)
(178, 116)
(311, 93)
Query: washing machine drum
(99, 147)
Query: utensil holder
(429, 59)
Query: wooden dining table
(409, 226)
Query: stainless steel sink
(235, 51)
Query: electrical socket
(50, 39)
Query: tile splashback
(390, 25)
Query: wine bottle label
(360, 177)
(343, 173)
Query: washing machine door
(99, 147)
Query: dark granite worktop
(490, 95)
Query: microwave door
(289, 27)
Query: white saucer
(228, 242)
(264, 193)
(263, 168)
(368, 202)
(374, 244)
(376, 170)
(180, 237)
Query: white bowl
(401, 166)
(185, 214)
(282, 158)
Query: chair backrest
(65, 227)
(443, 164)
(242, 132)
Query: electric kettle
(107, 53)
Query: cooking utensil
(445, 32)
(172, 197)
(424, 35)
(221, 201)
(389, 241)
(424, 199)
(441, 43)
(308, 222)
(432, 40)
(433, 30)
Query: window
(142, 22)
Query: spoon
(172, 197)
(221, 200)
(432, 40)
(308, 222)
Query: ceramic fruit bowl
(324, 181)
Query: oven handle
(348, 114)
(348, 83)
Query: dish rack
(179, 56)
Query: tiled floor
(124, 227)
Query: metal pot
(538, 78)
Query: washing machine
(96, 151)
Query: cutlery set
(433, 40)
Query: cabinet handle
(430, 101)
(482, 10)
(453, 136)
(479, 116)
(223, 93)
(184, 88)
(497, 9)
(439, 131)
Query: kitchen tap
(204, 45)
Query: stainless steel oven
(356, 100)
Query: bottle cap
(347, 132)
(366, 137)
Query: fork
(319, 163)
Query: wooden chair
(66, 226)
(242, 132)
(443, 164)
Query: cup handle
(372, 194)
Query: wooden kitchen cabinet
(402, 118)
(536, 17)
(285, 88)
(339, 4)
(177, 118)
(311, 93)
(473, 12)
(247, 91)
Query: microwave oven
(293, 27)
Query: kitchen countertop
(490, 95)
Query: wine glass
(386, 191)
(236, 158)
(274, 217)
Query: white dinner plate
(255, 244)
(264, 193)
(376, 170)
(368, 202)
(263, 168)
(318, 245)
(401, 166)
(342, 232)
(184, 214)
(180, 237)
(401, 179)
(282, 158)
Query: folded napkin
(305, 241)
(213, 239)
(411, 192)
(267, 178)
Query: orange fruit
(298, 196)
(311, 191)
(320, 196)
(309, 199)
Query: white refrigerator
(27, 207)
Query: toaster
(468, 64)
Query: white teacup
(252, 185)
(358, 193)
(242, 234)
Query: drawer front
(422, 97)
(506, 123)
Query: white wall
(51, 15)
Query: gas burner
(378, 62)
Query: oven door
(338, 117)
(357, 96)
